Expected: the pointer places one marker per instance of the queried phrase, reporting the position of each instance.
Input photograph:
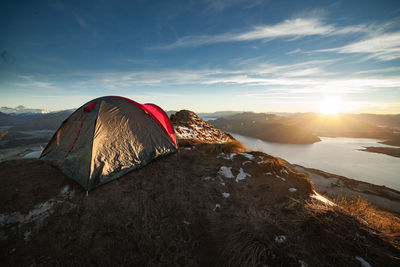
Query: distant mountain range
(21, 110)
(50, 121)
(305, 127)
(275, 127)
(22, 118)
(266, 127)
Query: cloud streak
(291, 28)
(381, 46)
(302, 78)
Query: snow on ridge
(279, 177)
(242, 175)
(284, 171)
(226, 171)
(197, 128)
(247, 155)
(227, 156)
(323, 199)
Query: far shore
(390, 151)
(334, 186)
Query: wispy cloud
(30, 81)
(291, 28)
(381, 46)
(382, 70)
(303, 79)
(81, 21)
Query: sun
(331, 106)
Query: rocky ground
(188, 125)
(210, 204)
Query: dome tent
(108, 137)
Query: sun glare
(331, 106)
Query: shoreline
(334, 185)
(390, 151)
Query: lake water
(336, 155)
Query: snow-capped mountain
(22, 109)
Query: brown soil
(165, 214)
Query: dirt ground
(181, 210)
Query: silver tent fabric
(115, 137)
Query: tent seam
(91, 150)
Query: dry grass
(232, 146)
(386, 224)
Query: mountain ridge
(210, 204)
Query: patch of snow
(292, 189)
(207, 178)
(280, 239)
(64, 190)
(186, 222)
(226, 195)
(27, 235)
(187, 148)
(185, 132)
(284, 171)
(302, 263)
(217, 206)
(268, 173)
(246, 162)
(222, 183)
(39, 212)
(242, 175)
(322, 199)
(227, 156)
(226, 171)
(283, 179)
(247, 155)
(200, 130)
(363, 262)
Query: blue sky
(287, 56)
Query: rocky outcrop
(188, 125)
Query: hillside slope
(210, 204)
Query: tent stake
(87, 193)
